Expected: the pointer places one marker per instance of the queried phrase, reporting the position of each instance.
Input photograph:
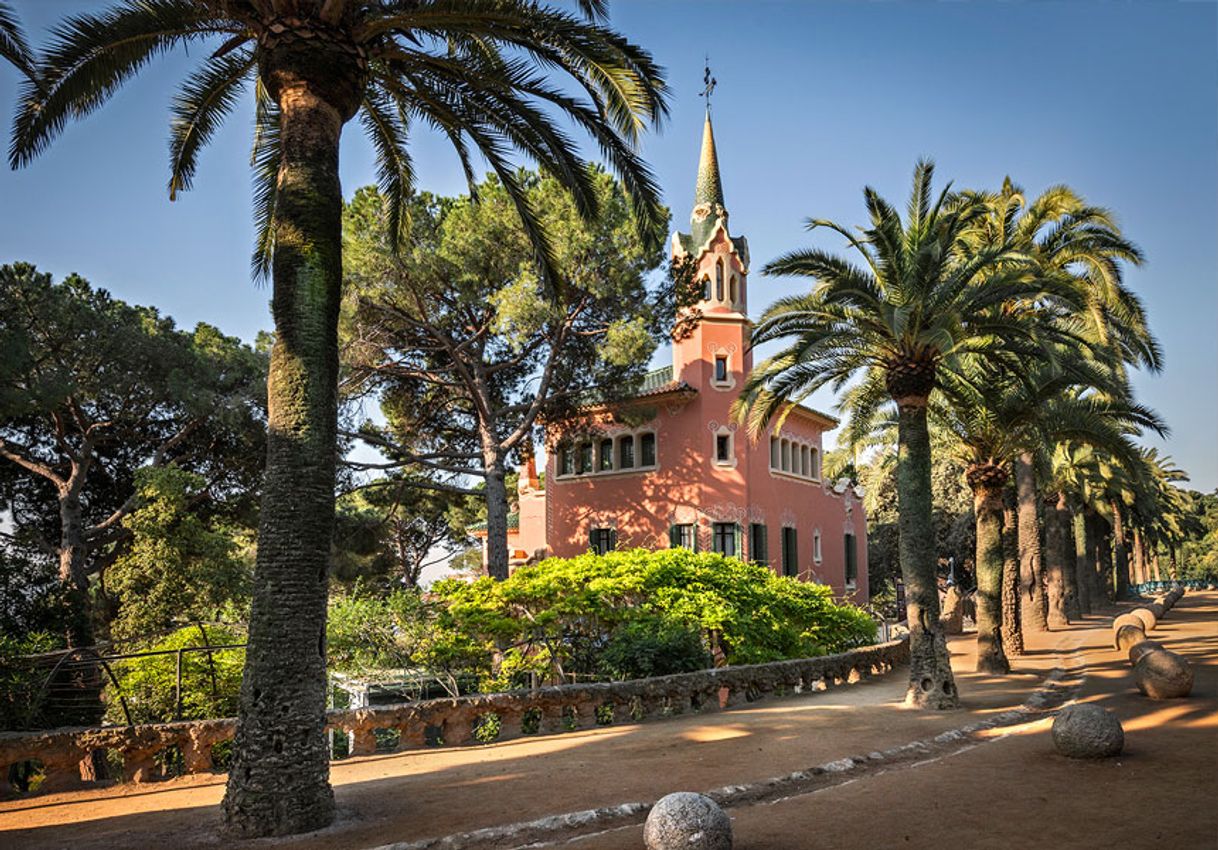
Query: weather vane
(709, 83)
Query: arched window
(734, 291)
(805, 465)
(786, 456)
(706, 292)
(719, 280)
(775, 453)
(815, 463)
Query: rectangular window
(566, 461)
(603, 540)
(852, 561)
(647, 450)
(759, 549)
(816, 547)
(606, 459)
(726, 539)
(583, 463)
(625, 453)
(790, 552)
(683, 536)
(723, 448)
(721, 368)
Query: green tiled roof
(655, 379)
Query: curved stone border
(66, 752)
(1057, 690)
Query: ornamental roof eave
(683, 245)
(820, 417)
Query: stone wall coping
(65, 752)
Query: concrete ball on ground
(1087, 732)
(1148, 619)
(1163, 675)
(1141, 648)
(1128, 635)
(687, 821)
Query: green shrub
(653, 646)
(210, 688)
(571, 612)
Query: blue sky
(815, 100)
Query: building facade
(669, 467)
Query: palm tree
(921, 301)
(1063, 235)
(993, 418)
(13, 46)
(466, 68)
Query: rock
(1087, 732)
(1127, 620)
(953, 611)
(1147, 618)
(1163, 675)
(1141, 648)
(687, 821)
(1128, 635)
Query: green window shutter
(673, 536)
(695, 532)
(612, 539)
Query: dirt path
(413, 796)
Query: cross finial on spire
(708, 84)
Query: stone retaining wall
(66, 753)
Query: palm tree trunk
(1012, 633)
(279, 780)
(496, 517)
(931, 684)
(1032, 604)
(987, 509)
(1174, 565)
(1139, 558)
(1102, 557)
(1154, 561)
(1082, 563)
(1120, 553)
(1060, 587)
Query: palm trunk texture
(279, 780)
(931, 684)
(1120, 554)
(987, 506)
(1032, 604)
(1059, 591)
(1078, 530)
(1012, 631)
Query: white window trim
(731, 462)
(730, 382)
(795, 449)
(614, 471)
(818, 555)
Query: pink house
(669, 467)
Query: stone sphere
(1147, 618)
(1141, 648)
(1163, 675)
(687, 821)
(1128, 635)
(1087, 732)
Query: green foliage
(211, 681)
(20, 682)
(566, 611)
(653, 646)
(177, 567)
(1199, 551)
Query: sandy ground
(1161, 793)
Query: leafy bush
(20, 681)
(210, 688)
(653, 646)
(570, 611)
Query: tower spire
(709, 188)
